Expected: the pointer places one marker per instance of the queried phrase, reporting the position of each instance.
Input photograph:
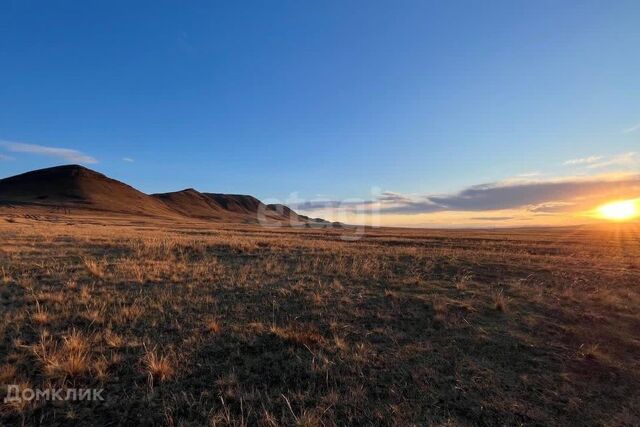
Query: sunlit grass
(261, 327)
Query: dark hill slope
(223, 207)
(75, 186)
(192, 203)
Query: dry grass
(158, 367)
(214, 326)
(7, 373)
(5, 278)
(112, 339)
(95, 268)
(297, 335)
(40, 315)
(240, 325)
(500, 301)
(75, 341)
(341, 344)
(69, 360)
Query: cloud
(3, 157)
(631, 129)
(576, 190)
(389, 196)
(551, 207)
(595, 162)
(569, 194)
(315, 205)
(423, 205)
(583, 161)
(63, 153)
(492, 218)
(626, 159)
(529, 174)
(127, 159)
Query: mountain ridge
(78, 187)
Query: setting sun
(621, 210)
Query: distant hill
(223, 207)
(191, 203)
(287, 212)
(73, 187)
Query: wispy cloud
(552, 207)
(491, 218)
(595, 162)
(633, 128)
(583, 161)
(127, 159)
(67, 154)
(529, 174)
(625, 159)
(4, 157)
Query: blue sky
(325, 99)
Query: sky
(419, 113)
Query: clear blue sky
(324, 97)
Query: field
(242, 325)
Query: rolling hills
(73, 188)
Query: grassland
(197, 325)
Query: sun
(620, 210)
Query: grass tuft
(500, 301)
(214, 326)
(95, 268)
(40, 316)
(159, 367)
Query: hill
(76, 187)
(72, 187)
(222, 207)
(290, 214)
(192, 203)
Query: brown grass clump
(5, 278)
(61, 362)
(75, 341)
(40, 316)
(317, 299)
(112, 339)
(95, 316)
(463, 281)
(95, 268)
(131, 313)
(101, 368)
(591, 352)
(500, 301)
(85, 293)
(297, 335)
(159, 367)
(7, 374)
(72, 364)
(340, 343)
(214, 326)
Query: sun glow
(620, 211)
